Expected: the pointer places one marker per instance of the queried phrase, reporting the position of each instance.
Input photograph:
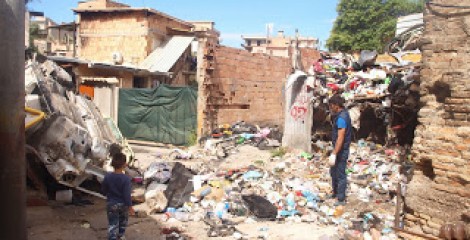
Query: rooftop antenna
(296, 52)
(269, 28)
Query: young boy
(117, 188)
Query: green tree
(34, 33)
(368, 24)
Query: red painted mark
(298, 112)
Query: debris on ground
(292, 188)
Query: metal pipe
(40, 116)
(12, 117)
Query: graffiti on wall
(299, 108)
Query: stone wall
(236, 85)
(440, 189)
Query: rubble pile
(290, 188)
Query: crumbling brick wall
(236, 85)
(440, 189)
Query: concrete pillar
(12, 163)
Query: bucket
(64, 196)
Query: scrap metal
(73, 140)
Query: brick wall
(160, 24)
(440, 189)
(238, 85)
(181, 69)
(101, 34)
(308, 55)
(135, 34)
(100, 4)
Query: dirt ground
(60, 222)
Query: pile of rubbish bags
(293, 188)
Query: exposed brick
(444, 136)
(250, 80)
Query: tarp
(164, 114)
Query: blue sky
(232, 18)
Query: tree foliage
(34, 33)
(368, 24)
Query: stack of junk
(292, 186)
(64, 130)
(382, 98)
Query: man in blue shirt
(117, 188)
(341, 137)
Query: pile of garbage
(357, 79)
(385, 96)
(64, 130)
(291, 188)
(224, 139)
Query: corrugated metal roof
(163, 58)
(406, 22)
(90, 64)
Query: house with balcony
(279, 45)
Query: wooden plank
(420, 235)
(150, 144)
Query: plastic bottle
(182, 216)
(221, 210)
(241, 140)
(290, 199)
(206, 191)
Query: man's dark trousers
(338, 175)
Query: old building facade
(114, 33)
(118, 46)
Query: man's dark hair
(337, 100)
(119, 160)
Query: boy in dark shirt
(117, 188)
